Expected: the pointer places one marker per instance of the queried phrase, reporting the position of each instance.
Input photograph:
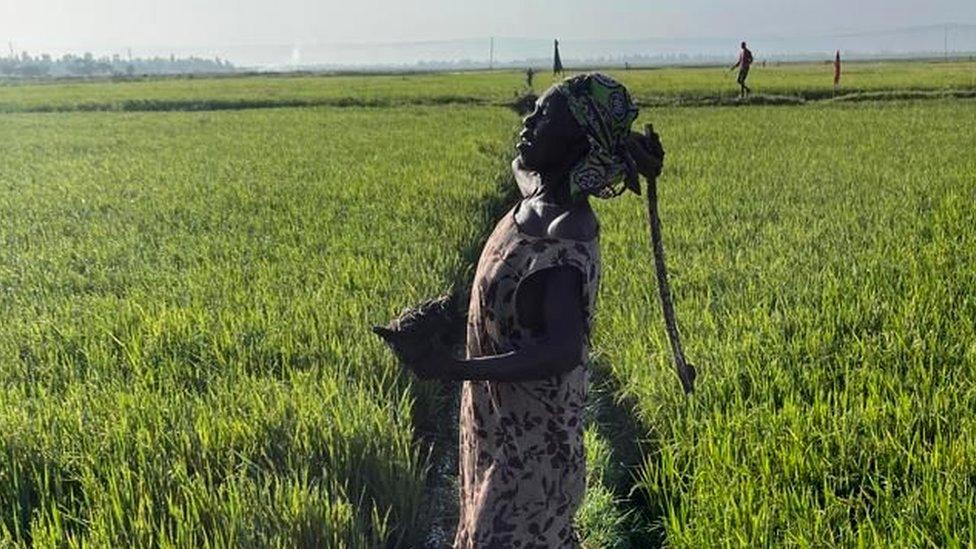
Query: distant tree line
(27, 66)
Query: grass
(251, 91)
(707, 85)
(185, 357)
(808, 81)
(822, 265)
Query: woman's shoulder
(539, 219)
(577, 223)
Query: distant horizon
(919, 40)
(264, 33)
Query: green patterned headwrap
(604, 110)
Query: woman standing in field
(522, 470)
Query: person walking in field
(743, 63)
(530, 315)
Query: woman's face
(551, 138)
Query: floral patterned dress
(522, 465)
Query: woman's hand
(426, 358)
(423, 337)
(435, 364)
(407, 349)
(648, 154)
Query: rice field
(185, 357)
(822, 260)
(804, 80)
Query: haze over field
(382, 32)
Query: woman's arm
(558, 351)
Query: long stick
(686, 371)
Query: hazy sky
(100, 25)
(40, 24)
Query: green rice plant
(810, 81)
(822, 266)
(173, 93)
(673, 85)
(185, 356)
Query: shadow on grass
(802, 98)
(905, 95)
(616, 423)
(720, 100)
(200, 105)
(521, 105)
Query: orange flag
(837, 69)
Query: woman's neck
(549, 188)
(527, 181)
(554, 189)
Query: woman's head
(551, 140)
(579, 130)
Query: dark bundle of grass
(418, 330)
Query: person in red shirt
(744, 62)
